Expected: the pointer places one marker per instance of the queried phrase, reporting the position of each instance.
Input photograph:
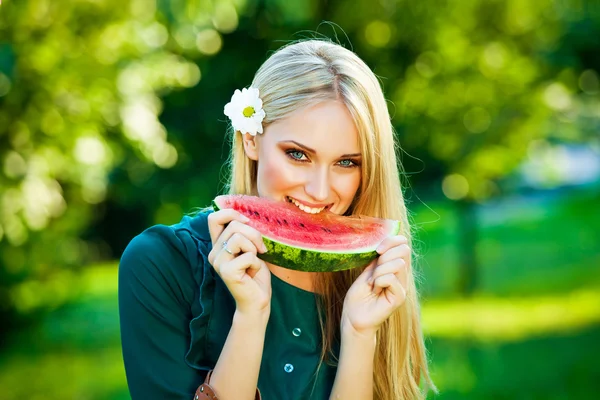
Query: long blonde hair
(302, 74)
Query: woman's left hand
(379, 290)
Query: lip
(311, 205)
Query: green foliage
(473, 83)
(80, 87)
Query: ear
(250, 146)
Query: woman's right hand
(247, 277)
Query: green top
(176, 312)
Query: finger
(397, 292)
(393, 285)
(255, 266)
(247, 231)
(382, 283)
(219, 219)
(390, 242)
(366, 274)
(399, 251)
(237, 244)
(396, 266)
(240, 268)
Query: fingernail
(264, 248)
(245, 219)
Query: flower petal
(247, 97)
(230, 110)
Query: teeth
(305, 208)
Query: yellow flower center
(248, 111)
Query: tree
(80, 87)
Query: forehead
(327, 127)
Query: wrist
(252, 318)
(350, 333)
(354, 376)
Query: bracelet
(206, 392)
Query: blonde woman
(203, 317)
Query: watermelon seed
(285, 222)
(278, 221)
(256, 213)
(267, 218)
(302, 225)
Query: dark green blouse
(176, 312)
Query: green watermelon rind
(307, 260)
(313, 261)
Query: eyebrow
(313, 151)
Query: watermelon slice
(311, 242)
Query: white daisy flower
(245, 111)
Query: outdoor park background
(111, 120)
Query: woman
(197, 304)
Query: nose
(318, 185)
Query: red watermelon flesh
(333, 241)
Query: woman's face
(311, 158)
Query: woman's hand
(379, 290)
(234, 258)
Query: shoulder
(184, 239)
(171, 255)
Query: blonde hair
(305, 73)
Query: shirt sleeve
(157, 289)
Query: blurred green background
(111, 120)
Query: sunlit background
(111, 120)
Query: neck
(300, 279)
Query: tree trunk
(467, 246)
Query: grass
(526, 247)
(511, 319)
(74, 353)
(554, 367)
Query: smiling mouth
(306, 209)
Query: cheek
(356, 183)
(275, 175)
(348, 186)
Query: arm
(156, 292)
(354, 377)
(240, 359)
(234, 258)
(372, 298)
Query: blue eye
(296, 155)
(347, 163)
